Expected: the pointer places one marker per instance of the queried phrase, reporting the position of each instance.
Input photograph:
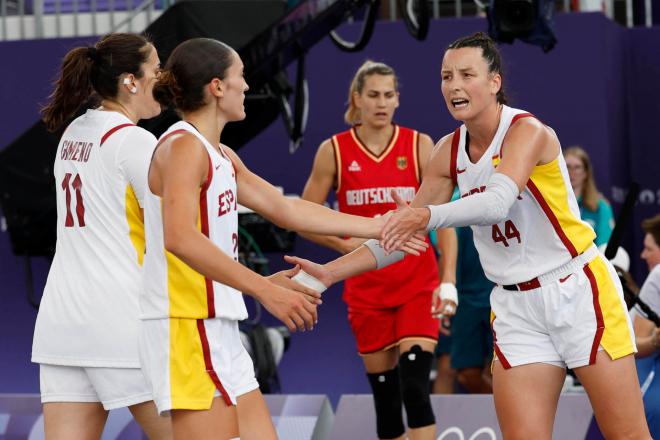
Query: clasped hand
(404, 227)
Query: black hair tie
(92, 54)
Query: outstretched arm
(303, 216)
(297, 214)
(437, 187)
(179, 187)
(528, 143)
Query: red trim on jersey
(335, 150)
(418, 164)
(208, 363)
(520, 116)
(513, 121)
(552, 217)
(454, 156)
(500, 355)
(204, 220)
(112, 130)
(600, 325)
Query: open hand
(403, 224)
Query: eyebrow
(463, 70)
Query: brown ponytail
(72, 88)
(94, 69)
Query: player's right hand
(290, 307)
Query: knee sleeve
(387, 401)
(415, 366)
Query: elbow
(172, 240)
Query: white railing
(29, 19)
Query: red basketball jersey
(364, 181)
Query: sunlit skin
(651, 252)
(141, 104)
(576, 172)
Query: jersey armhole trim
(454, 155)
(335, 150)
(112, 131)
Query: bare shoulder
(327, 147)
(530, 127)
(443, 146)
(531, 136)
(425, 139)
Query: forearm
(198, 252)
(306, 217)
(357, 262)
(448, 245)
(483, 209)
(645, 346)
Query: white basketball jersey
(171, 287)
(89, 310)
(543, 229)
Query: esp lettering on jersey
(227, 202)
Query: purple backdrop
(591, 88)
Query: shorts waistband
(563, 271)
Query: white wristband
(448, 292)
(310, 281)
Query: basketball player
(85, 338)
(389, 309)
(190, 345)
(558, 302)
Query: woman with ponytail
(85, 338)
(193, 284)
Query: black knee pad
(387, 400)
(415, 366)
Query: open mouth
(459, 103)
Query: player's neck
(118, 107)
(482, 128)
(207, 124)
(375, 138)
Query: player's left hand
(403, 224)
(283, 279)
(316, 270)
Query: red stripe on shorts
(500, 355)
(600, 325)
(209, 364)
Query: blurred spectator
(594, 208)
(647, 334)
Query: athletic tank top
(89, 309)
(364, 182)
(543, 229)
(171, 287)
